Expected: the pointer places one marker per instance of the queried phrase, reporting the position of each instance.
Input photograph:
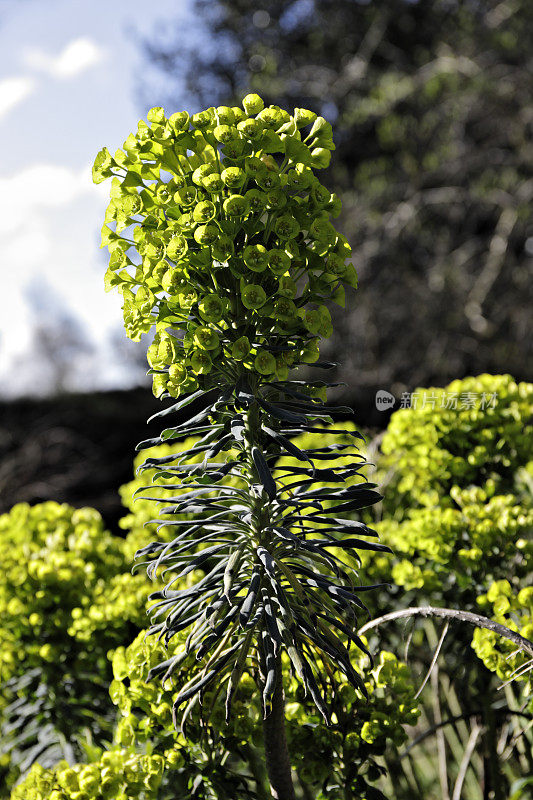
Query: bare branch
(450, 613)
(434, 659)
(505, 712)
(465, 761)
(441, 741)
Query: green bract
(252, 104)
(226, 223)
(206, 338)
(255, 257)
(265, 363)
(253, 296)
(241, 348)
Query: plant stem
(276, 751)
(465, 761)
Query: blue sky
(67, 87)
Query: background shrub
(66, 598)
(457, 513)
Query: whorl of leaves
(235, 303)
(269, 542)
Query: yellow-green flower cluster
(474, 431)
(442, 550)
(119, 774)
(220, 237)
(66, 597)
(115, 610)
(54, 560)
(145, 707)
(362, 731)
(514, 609)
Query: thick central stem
(276, 750)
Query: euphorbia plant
(220, 238)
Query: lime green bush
(455, 513)
(119, 774)
(66, 598)
(449, 554)
(483, 441)
(54, 558)
(334, 759)
(458, 516)
(458, 512)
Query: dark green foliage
(433, 163)
(263, 539)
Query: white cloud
(13, 91)
(76, 57)
(49, 220)
(39, 187)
